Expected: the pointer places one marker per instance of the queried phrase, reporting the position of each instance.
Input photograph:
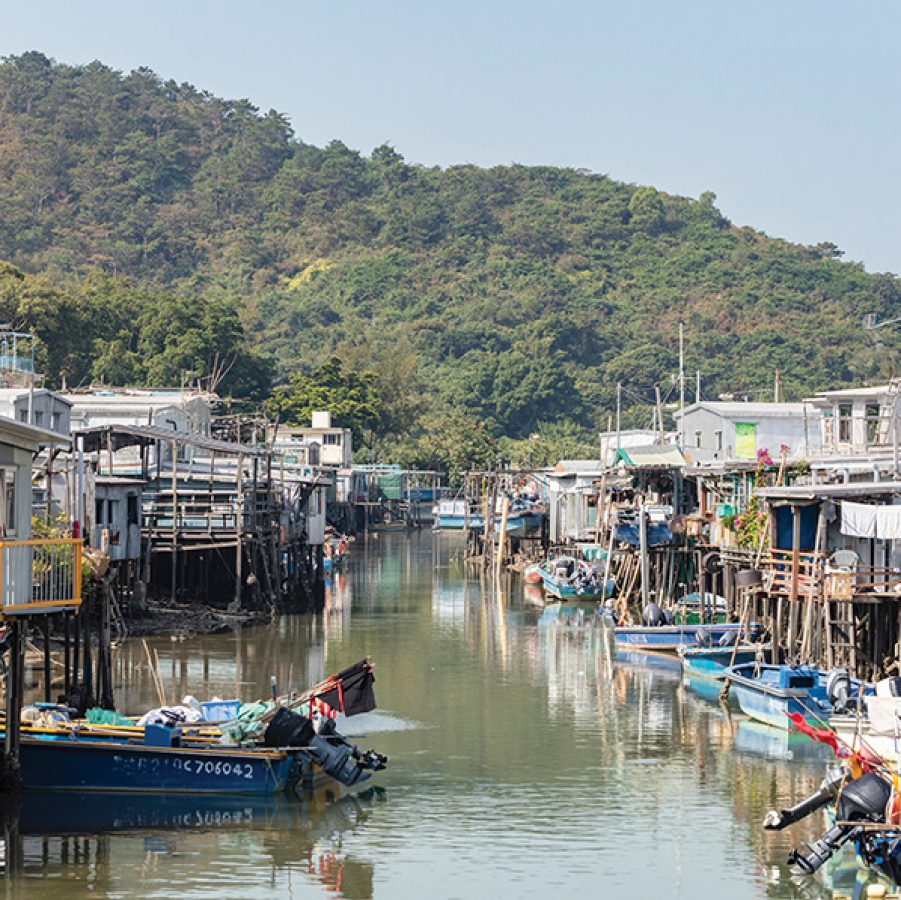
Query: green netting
(392, 486)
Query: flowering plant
(750, 525)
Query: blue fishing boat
(711, 662)
(770, 693)
(568, 578)
(88, 764)
(450, 515)
(668, 638)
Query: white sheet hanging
(858, 519)
(888, 522)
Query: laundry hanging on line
(866, 520)
(858, 520)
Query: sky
(788, 110)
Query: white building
(572, 491)
(718, 430)
(18, 445)
(858, 420)
(49, 410)
(183, 410)
(335, 444)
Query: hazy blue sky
(789, 111)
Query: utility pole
(777, 387)
(681, 384)
(659, 415)
(619, 395)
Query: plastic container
(161, 736)
(220, 710)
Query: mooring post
(239, 517)
(173, 590)
(12, 776)
(643, 549)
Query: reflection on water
(527, 760)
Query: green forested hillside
(148, 225)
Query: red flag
(864, 758)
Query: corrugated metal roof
(120, 436)
(868, 392)
(831, 491)
(735, 409)
(664, 456)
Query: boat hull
(102, 765)
(762, 696)
(566, 592)
(669, 638)
(710, 663)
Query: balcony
(818, 579)
(40, 576)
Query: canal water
(526, 760)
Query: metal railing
(40, 576)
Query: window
(56, 421)
(132, 509)
(698, 439)
(719, 440)
(828, 428)
(334, 439)
(23, 415)
(844, 422)
(745, 440)
(872, 417)
(38, 417)
(99, 508)
(9, 481)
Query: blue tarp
(658, 533)
(808, 527)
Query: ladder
(884, 428)
(840, 633)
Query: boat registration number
(208, 767)
(196, 767)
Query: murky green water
(526, 761)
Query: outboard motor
(652, 615)
(341, 759)
(728, 639)
(863, 800)
(703, 639)
(838, 689)
(776, 820)
(669, 617)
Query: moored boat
(568, 578)
(711, 662)
(770, 693)
(668, 638)
(450, 515)
(88, 764)
(265, 748)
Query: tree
(351, 397)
